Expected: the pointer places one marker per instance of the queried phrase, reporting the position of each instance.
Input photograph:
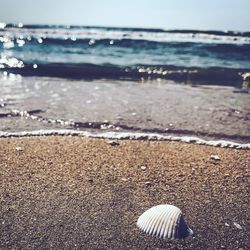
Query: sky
(166, 14)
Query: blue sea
(124, 53)
(153, 80)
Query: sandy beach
(81, 193)
(103, 117)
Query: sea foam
(127, 136)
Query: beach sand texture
(80, 193)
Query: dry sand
(79, 193)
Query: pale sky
(166, 14)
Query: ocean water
(101, 78)
(123, 53)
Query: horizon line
(18, 24)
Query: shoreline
(87, 193)
(150, 107)
(121, 135)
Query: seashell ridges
(164, 222)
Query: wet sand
(212, 112)
(80, 193)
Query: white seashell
(165, 222)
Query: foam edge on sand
(127, 136)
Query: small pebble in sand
(237, 225)
(113, 143)
(215, 157)
(19, 149)
(239, 177)
(180, 174)
(143, 167)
